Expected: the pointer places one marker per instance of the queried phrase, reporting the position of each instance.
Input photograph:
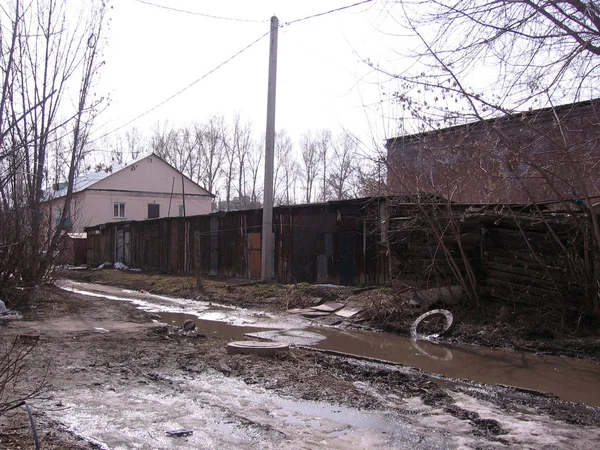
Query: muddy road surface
(118, 375)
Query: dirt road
(126, 388)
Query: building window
(153, 211)
(181, 211)
(119, 211)
(68, 223)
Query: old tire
(447, 315)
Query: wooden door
(254, 250)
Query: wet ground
(568, 378)
(119, 377)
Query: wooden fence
(510, 253)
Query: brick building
(541, 155)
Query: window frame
(154, 205)
(117, 207)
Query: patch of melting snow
(226, 413)
(531, 432)
(202, 310)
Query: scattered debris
(189, 325)
(105, 265)
(447, 315)
(448, 295)
(328, 307)
(120, 266)
(256, 347)
(179, 433)
(28, 338)
(348, 312)
(8, 314)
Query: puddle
(209, 327)
(568, 378)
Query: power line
(325, 12)
(182, 90)
(226, 61)
(208, 16)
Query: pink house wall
(148, 181)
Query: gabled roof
(91, 178)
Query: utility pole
(267, 263)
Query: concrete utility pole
(267, 263)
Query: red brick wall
(543, 155)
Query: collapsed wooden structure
(512, 252)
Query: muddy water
(568, 378)
(210, 327)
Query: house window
(68, 223)
(181, 211)
(119, 210)
(153, 211)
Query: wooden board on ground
(328, 307)
(348, 312)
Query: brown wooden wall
(331, 242)
(523, 256)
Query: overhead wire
(185, 88)
(208, 16)
(312, 16)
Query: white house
(146, 188)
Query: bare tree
(210, 139)
(242, 145)
(135, 142)
(284, 161)
(509, 78)
(229, 166)
(164, 142)
(254, 170)
(324, 144)
(343, 166)
(309, 148)
(45, 52)
(531, 53)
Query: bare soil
(140, 352)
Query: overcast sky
(153, 53)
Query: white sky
(153, 53)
